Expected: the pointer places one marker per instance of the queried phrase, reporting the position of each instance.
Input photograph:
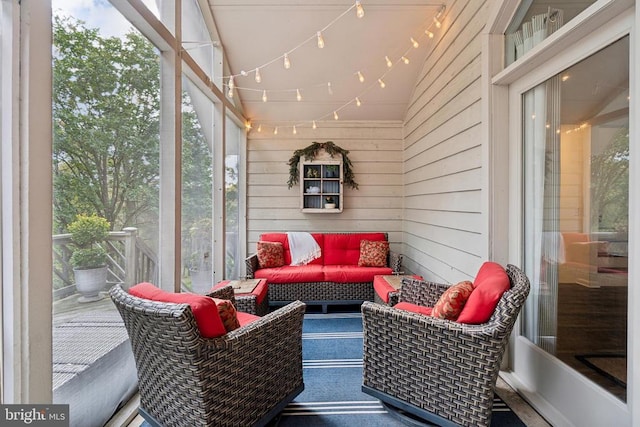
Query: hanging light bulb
(258, 76)
(429, 34)
(287, 63)
(264, 96)
(275, 131)
(314, 125)
(358, 103)
(295, 131)
(437, 22)
(298, 95)
(247, 125)
(415, 43)
(405, 60)
(329, 89)
(335, 115)
(382, 84)
(360, 77)
(389, 63)
(231, 86)
(243, 73)
(320, 40)
(359, 9)
(259, 128)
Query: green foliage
(106, 125)
(87, 233)
(310, 153)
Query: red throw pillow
(270, 254)
(414, 308)
(491, 282)
(373, 253)
(452, 301)
(203, 307)
(228, 314)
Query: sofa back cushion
(204, 308)
(344, 248)
(490, 283)
(282, 238)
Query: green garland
(310, 153)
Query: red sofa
(334, 278)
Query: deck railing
(130, 261)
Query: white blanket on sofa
(303, 248)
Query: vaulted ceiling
(255, 34)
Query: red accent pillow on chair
(452, 301)
(203, 307)
(491, 282)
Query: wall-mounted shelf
(321, 179)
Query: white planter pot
(90, 282)
(201, 280)
(329, 205)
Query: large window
(576, 183)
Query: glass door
(575, 187)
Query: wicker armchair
(244, 378)
(438, 370)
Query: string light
(231, 86)
(389, 63)
(298, 95)
(295, 131)
(360, 77)
(320, 40)
(314, 125)
(258, 76)
(286, 63)
(358, 103)
(335, 115)
(437, 22)
(382, 84)
(359, 9)
(415, 43)
(429, 34)
(405, 60)
(329, 89)
(259, 128)
(264, 96)
(275, 130)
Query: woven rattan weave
(439, 370)
(243, 378)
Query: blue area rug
(332, 363)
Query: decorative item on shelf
(313, 173)
(331, 171)
(313, 190)
(89, 259)
(329, 203)
(310, 153)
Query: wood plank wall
(443, 159)
(376, 153)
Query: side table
(251, 295)
(387, 287)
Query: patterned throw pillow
(227, 313)
(270, 254)
(373, 253)
(452, 301)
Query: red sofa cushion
(490, 283)
(291, 274)
(414, 308)
(353, 273)
(282, 238)
(344, 249)
(382, 287)
(203, 307)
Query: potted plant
(329, 203)
(89, 258)
(200, 263)
(331, 171)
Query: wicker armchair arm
(421, 292)
(225, 292)
(252, 264)
(395, 262)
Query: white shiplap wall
(375, 149)
(444, 182)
